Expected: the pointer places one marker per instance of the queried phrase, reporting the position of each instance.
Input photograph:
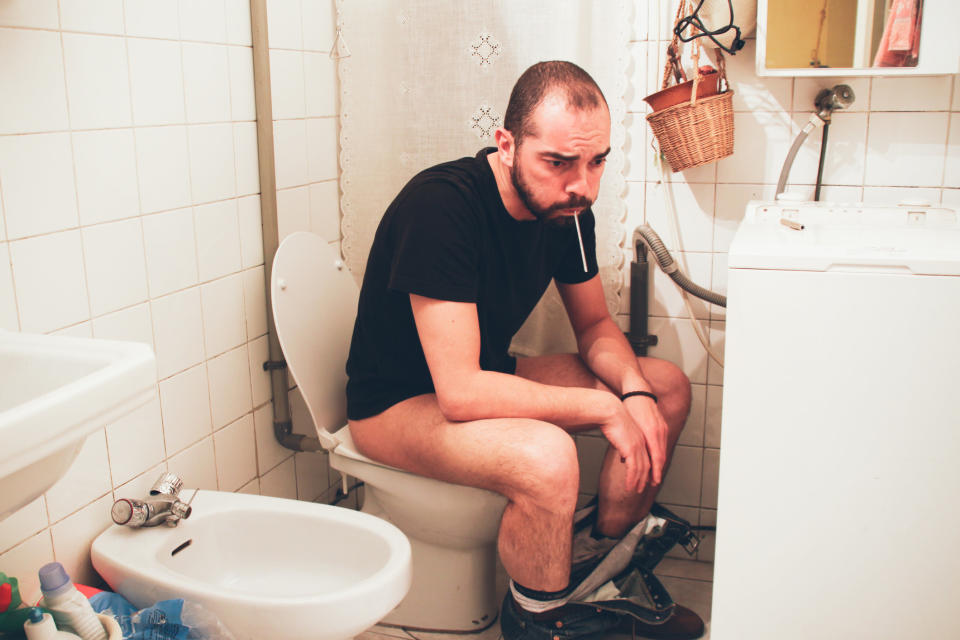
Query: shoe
(683, 624)
(570, 621)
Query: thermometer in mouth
(583, 255)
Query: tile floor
(690, 583)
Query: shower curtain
(426, 81)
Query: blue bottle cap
(35, 615)
(53, 576)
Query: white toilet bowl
(452, 528)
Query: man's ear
(506, 147)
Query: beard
(544, 213)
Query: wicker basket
(691, 134)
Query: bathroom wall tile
(290, 150)
(73, 536)
(319, 24)
(41, 14)
(106, 168)
(732, 201)
(638, 85)
(590, 452)
(133, 325)
(255, 302)
(185, 406)
(640, 21)
(711, 474)
(300, 415)
(293, 211)
(151, 19)
(8, 302)
(666, 298)
(892, 196)
(135, 441)
(197, 466)
(716, 337)
(92, 16)
(236, 454)
(681, 485)
(320, 73)
(115, 265)
(218, 239)
(636, 147)
(692, 434)
(206, 76)
(708, 539)
(831, 193)
(284, 24)
(696, 202)
(212, 172)
(286, 84)
(679, 344)
(950, 198)
(845, 155)
(259, 379)
(242, 106)
(38, 187)
(714, 412)
(806, 90)
(177, 331)
(238, 22)
(23, 560)
(222, 301)
(170, 246)
(312, 474)
(162, 163)
(322, 148)
(281, 481)
(79, 330)
(906, 149)
(156, 75)
(269, 452)
(761, 143)
(246, 159)
(98, 86)
(325, 210)
(50, 285)
(23, 523)
(252, 487)
(87, 479)
(203, 20)
(229, 386)
(751, 93)
(951, 176)
(922, 93)
(142, 483)
(251, 239)
(41, 103)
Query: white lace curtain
(426, 81)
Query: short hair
(547, 78)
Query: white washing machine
(839, 495)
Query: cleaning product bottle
(40, 626)
(71, 611)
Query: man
(460, 259)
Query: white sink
(54, 392)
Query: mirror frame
(939, 47)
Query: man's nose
(578, 185)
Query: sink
(54, 392)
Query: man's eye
(600, 161)
(557, 163)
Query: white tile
(206, 77)
(151, 19)
(41, 103)
(50, 285)
(281, 481)
(732, 201)
(716, 337)
(761, 142)
(251, 238)
(171, 251)
(156, 81)
(713, 415)
(679, 344)
(322, 149)
(23, 561)
(185, 404)
(312, 470)
(293, 211)
(177, 331)
(242, 104)
(951, 176)
(229, 386)
(203, 20)
(162, 162)
(325, 210)
(640, 22)
(319, 24)
(141, 484)
(892, 196)
(290, 152)
(259, 379)
(8, 301)
(693, 429)
(906, 149)
(806, 90)
(300, 415)
(22, 524)
(116, 269)
(949, 198)
(636, 147)
(682, 482)
(106, 169)
(197, 466)
(92, 16)
(637, 87)
(284, 24)
(923, 93)
(255, 302)
(286, 84)
(212, 172)
(666, 298)
(846, 150)
(706, 551)
(135, 442)
(39, 195)
(270, 453)
(246, 158)
(252, 487)
(132, 325)
(87, 479)
(73, 536)
(694, 205)
(751, 93)
(98, 87)
(238, 22)
(80, 330)
(711, 474)
(320, 73)
(236, 454)
(218, 239)
(223, 314)
(29, 13)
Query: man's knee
(673, 390)
(547, 472)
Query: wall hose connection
(670, 267)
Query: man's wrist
(645, 394)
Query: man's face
(557, 168)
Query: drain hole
(181, 547)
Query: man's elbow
(456, 405)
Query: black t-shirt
(448, 236)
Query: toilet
(452, 528)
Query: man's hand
(624, 435)
(645, 413)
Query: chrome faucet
(163, 506)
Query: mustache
(572, 203)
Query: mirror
(857, 37)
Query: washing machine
(839, 491)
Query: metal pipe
(639, 285)
(670, 267)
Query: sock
(538, 601)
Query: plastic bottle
(71, 610)
(40, 626)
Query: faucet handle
(133, 513)
(168, 483)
